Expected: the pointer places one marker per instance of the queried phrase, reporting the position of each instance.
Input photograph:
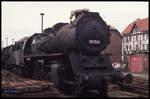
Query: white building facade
(135, 42)
(135, 45)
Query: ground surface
(9, 79)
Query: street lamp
(42, 14)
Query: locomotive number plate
(94, 41)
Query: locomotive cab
(18, 52)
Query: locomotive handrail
(39, 55)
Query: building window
(127, 39)
(136, 47)
(136, 38)
(124, 39)
(130, 38)
(130, 48)
(143, 36)
(135, 30)
(127, 47)
(147, 47)
(140, 37)
(146, 37)
(143, 46)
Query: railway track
(140, 85)
(26, 87)
(16, 86)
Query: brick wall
(114, 47)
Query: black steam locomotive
(68, 54)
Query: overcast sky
(20, 19)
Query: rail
(139, 85)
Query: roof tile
(142, 24)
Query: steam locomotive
(67, 54)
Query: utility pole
(2, 44)
(42, 14)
